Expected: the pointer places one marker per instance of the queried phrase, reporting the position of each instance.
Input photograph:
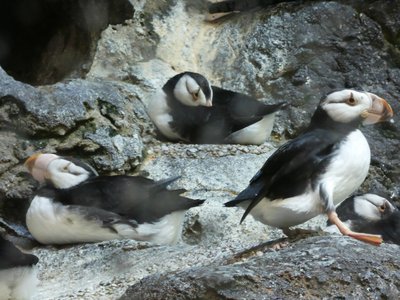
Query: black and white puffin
(314, 172)
(189, 109)
(78, 206)
(369, 213)
(17, 272)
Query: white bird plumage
(314, 172)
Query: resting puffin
(78, 206)
(312, 173)
(17, 272)
(369, 213)
(189, 109)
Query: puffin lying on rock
(189, 109)
(78, 206)
(17, 272)
(369, 213)
(314, 172)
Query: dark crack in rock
(45, 41)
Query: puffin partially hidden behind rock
(312, 173)
(78, 206)
(17, 272)
(189, 109)
(369, 213)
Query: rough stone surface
(102, 121)
(46, 41)
(316, 268)
(294, 51)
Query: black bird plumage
(18, 278)
(386, 223)
(131, 197)
(312, 173)
(230, 113)
(11, 256)
(80, 206)
(296, 164)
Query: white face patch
(347, 105)
(64, 174)
(368, 206)
(188, 92)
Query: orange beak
(38, 163)
(380, 111)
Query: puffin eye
(66, 167)
(351, 101)
(195, 95)
(382, 208)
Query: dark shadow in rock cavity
(45, 41)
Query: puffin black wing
(11, 256)
(133, 197)
(290, 169)
(242, 110)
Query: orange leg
(372, 239)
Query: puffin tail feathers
(271, 108)
(254, 193)
(234, 202)
(162, 184)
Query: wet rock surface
(295, 52)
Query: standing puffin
(78, 206)
(17, 272)
(369, 213)
(189, 109)
(312, 173)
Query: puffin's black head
(60, 172)
(351, 108)
(191, 89)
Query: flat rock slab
(316, 268)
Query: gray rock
(44, 42)
(295, 52)
(103, 121)
(315, 268)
